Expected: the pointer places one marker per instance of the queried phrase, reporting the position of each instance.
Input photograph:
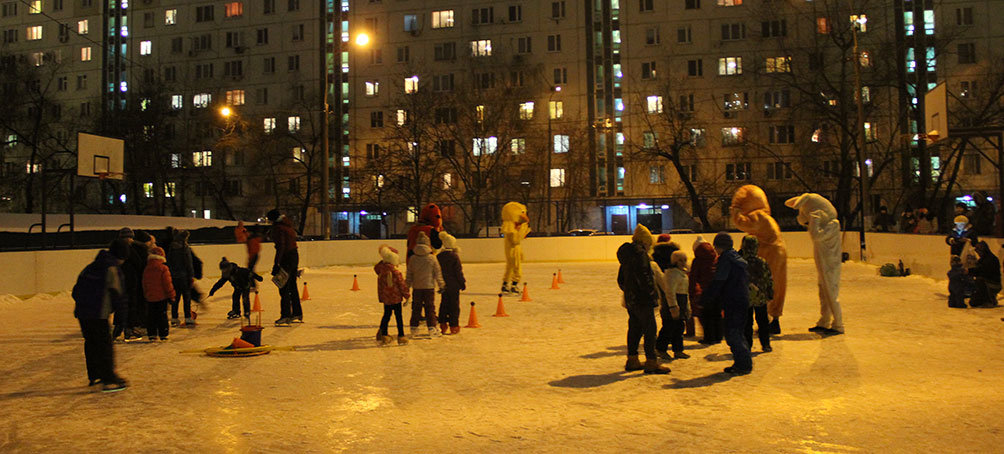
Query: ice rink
(910, 375)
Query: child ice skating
(761, 290)
(241, 279)
(959, 284)
(99, 292)
(392, 292)
(423, 276)
(675, 309)
(730, 291)
(453, 275)
(641, 297)
(159, 292)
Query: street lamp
(362, 39)
(225, 112)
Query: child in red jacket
(159, 292)
(392, 291)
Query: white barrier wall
(27, 273)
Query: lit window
(733, 136)
(860, 22)
(481, 48)
(778, 64)
(653, 104)
(479, 112)
(730, 2)
(866, 94)
(730, 66)
(402, 117)
(32, 168)
(269, 125)
(299, 154)
(169, 189)
(560, 143)
(85, 53)
(294, 124)
(34, 33)
(234, 9)
(82, 27)
(411, 215)
(866, 59)
(870, 132)
(411, 84)
(518, 146)
(145, 47)
(235, 97)
(171, 17)
(822, 25)
(410, 23)
(177, 102)
(526, 110)
(378, 180)
(202, 158)
(557, 178)
(447, 180)
(35, 7)
(148, 190)
(485, 145)
(556, 109)
(442, 19)
(372, 87)
(201, 100)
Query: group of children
(975, 272)
(426, 271)
(720, 282)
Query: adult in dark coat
(99, 292)
(129, 322)
(883, 220)
(730, 290)
(987, 275)
(182, 267)
(985, 215)
(640, 298)
(287, 258)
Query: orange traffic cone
(554, 282)
(306, 294)
(355, 283)
(257, 303)
(472, 321)
(500, 309)
(526, 294)
(560, 279)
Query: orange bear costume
(751, 214)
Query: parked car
(680, 231)
(581, 232)
(349, 236)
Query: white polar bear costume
(818, 215)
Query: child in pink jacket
(392, 291)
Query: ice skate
(768, 349)
(115, 385)
(163, 339)
(386, 340)
(831, 332)
(733, 370)
(818, 329)
(633, 364)
(233, 315)
(297, 319)
(505, 289)
(514, 289)
(652, 367)
(283, 321)
(680, 355)
(402, 340)
(434, 331)
(175, 323)
(414, 332)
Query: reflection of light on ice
(365, 403)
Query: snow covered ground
(910, 375)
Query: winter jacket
(955, 239)
(391, 288)
(179, 261)
(157, 280)
(434, 240)
(957, 282)
(677, 283)
(662, 253)
(729, 289)
(100, 288)
(702, 271)
(666, 296)
(988, 268)
(453, 270)
(239, 278)
(635, 276)
(133, 267)
(284, 237)
(423, 270)
(761, 283)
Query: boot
(515, 288)
(775, 326)
(633, 364)
(444, 328)
(414, 331)
(386, 340)
(505, 288)
(454, 330)
(652, 367)
(402, 340)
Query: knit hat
(449, 241)
(697, 241)
(157, 250)
(679, 260)
(722, 240)
(662, 238)
(642, 236)
(126, 232)
(142, 236)
(119, 248)
(961, 220)
(388, 254)
(422, 238)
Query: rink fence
(30, 272)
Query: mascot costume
(818, 215)
(429, 220)
(751, 214)
(515, 227)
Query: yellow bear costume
(515, 227)
(751, 214)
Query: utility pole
(861, 140)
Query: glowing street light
(226, 112)
(362, 39)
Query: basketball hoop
(106, 175)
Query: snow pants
(389, 309)
(671, 331)
(735, 336)
(641, 324)
(239, 295)
(98, 351)
(830, 315)
(289, 303)
(182, 292)
(156, 321)
(513, 264)
(762, 325)
(711, 322)
(449, 307)
(423, 298)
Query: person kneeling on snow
(423, 275)
(391, 291)
(730, 290)
(453, 275)
(641, 297)
(241, 280)
(159, 292)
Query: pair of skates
(512, 290)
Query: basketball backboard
(936, 114)
(99, 156)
